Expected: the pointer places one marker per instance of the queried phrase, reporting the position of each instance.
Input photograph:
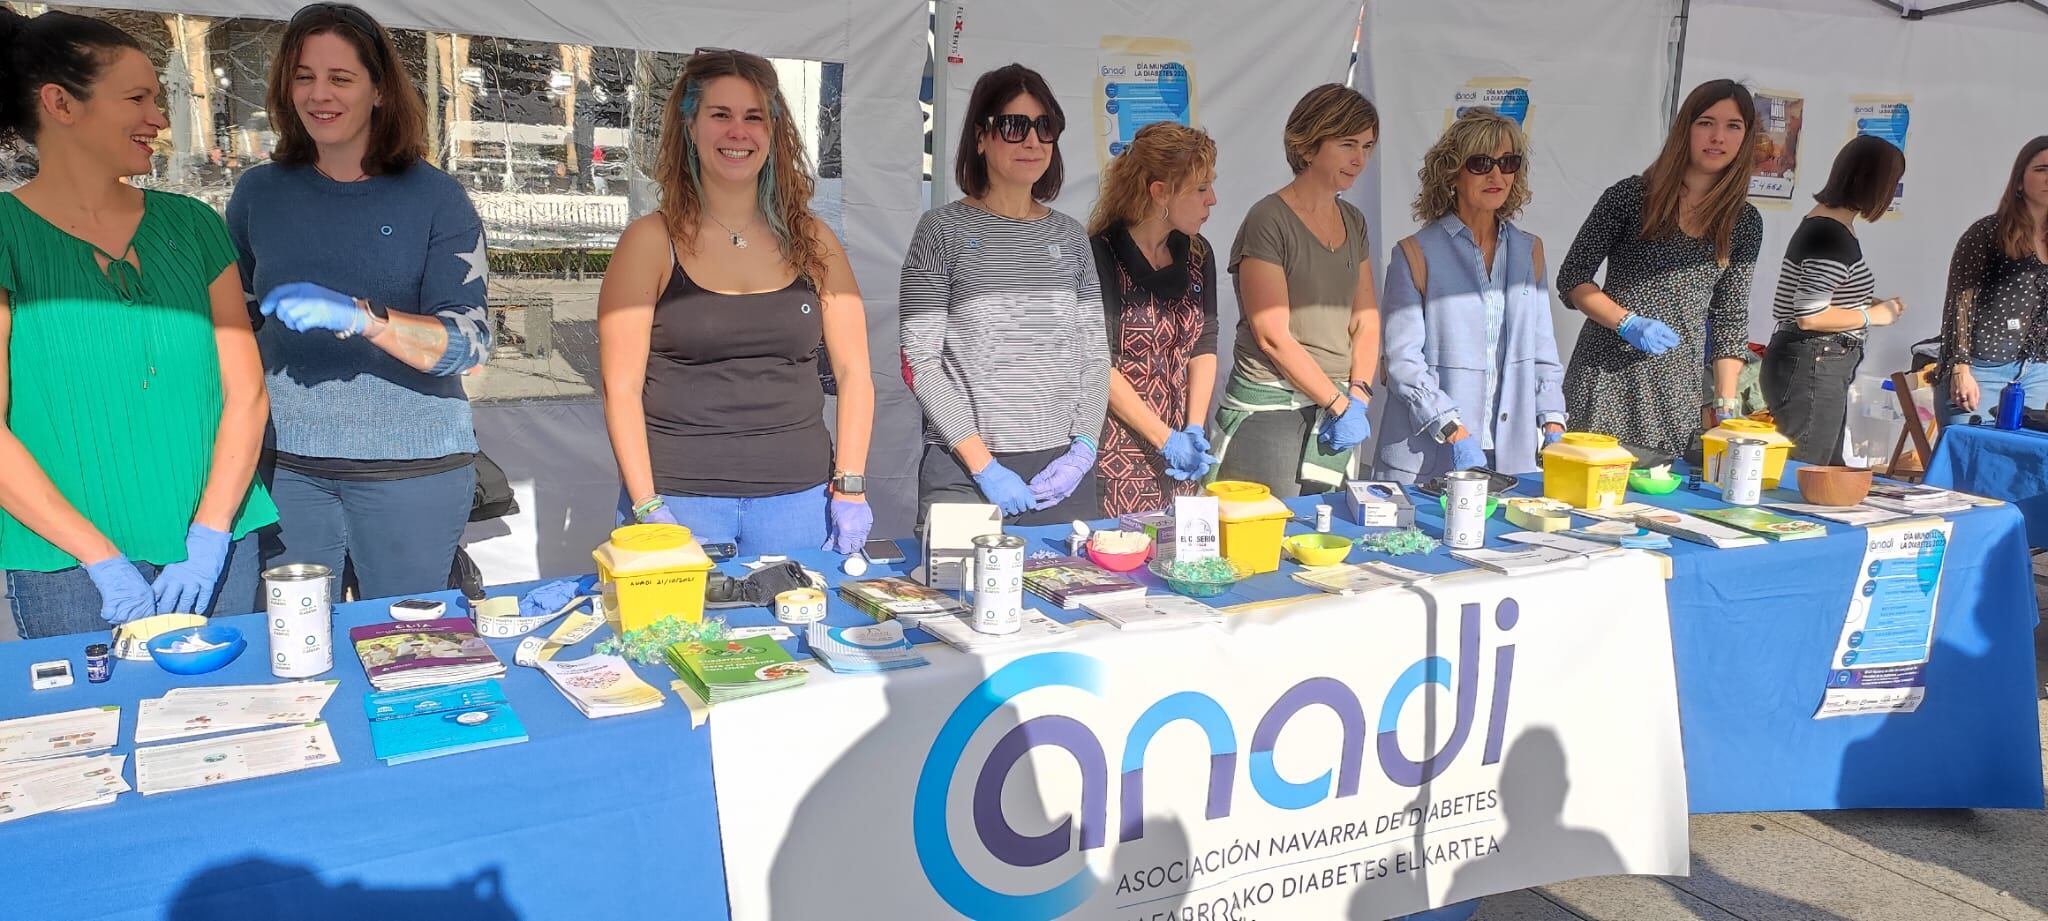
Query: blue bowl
(197, 663)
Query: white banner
(1357, 757)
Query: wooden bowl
(1838, 486)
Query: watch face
(849, 483)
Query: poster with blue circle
(1141, 81)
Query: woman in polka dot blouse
(1992, 326)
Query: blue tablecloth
(615, 818)
(1985, 461)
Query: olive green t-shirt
(117, 395)
(1320, 283)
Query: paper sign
(1195, 528)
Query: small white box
(1378, 504)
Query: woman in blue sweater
(369, 268)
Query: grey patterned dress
(1610, 386)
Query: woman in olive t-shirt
(1308, 337)
(134, 396)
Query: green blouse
(114, 382)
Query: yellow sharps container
(1253, 523)
(658, 570)
(1714, 448)
(1586, 470)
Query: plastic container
(1119, 562)
(227, 646)
(1586, 470)
(1199, 588)
(657, 571)
(1318, 549)
(1252, 522)
(1714, 448)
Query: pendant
(739, 241)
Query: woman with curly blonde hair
(709, 322)
(1471, 358)
(1159, 306)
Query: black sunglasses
(1481, 164)
(1011, 128)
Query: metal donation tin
(998, 583)
(1742, 475)
(1465, 509)
(295, 597)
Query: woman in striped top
(1001, 319)
(132, 394)
(1823, 305)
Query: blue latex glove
(187, 586)
(851, 521)
(1550, 437)
(303, 306)
(124, 596)
(1004, 488)
(1194, 430)
(1060, 478)
(1647, 335)
(1342, 433)
(548, 598)
(1187, 454)
(1467, 454)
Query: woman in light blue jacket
(1471, 361)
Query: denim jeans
(399, 535)
(766, 524)
(1806, 380)
(1991, 381)
(66, 601)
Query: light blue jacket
(1436, 354)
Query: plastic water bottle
(2012, 404)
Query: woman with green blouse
(133, 393)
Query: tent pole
(1678, 61)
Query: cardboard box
(1378, 504)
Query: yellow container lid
(1238, 500)
(1591, 448)
(638, 548)
(1747, 428)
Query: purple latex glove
(1647, 335)
(1004, 488)
(304, 306)
(660, 515)
(1550, 437)
(187, 585)
(1342, 433)
(851, 520)
(124, 596)
(1060, 478)
(1467, 454)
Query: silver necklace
(738, 240)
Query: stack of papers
(1917, 500)
(205, 762)
(187, 712)
(735, 669)
(958, 632)
(601, 686)
(865, 649)
(1358, 578)
(1531, 558)
(1860, 516)
(896, 597)
(1764, 523)
(400, 655)
(1069, 581)
(414, 725)
(1153, 612)
(1677, 524)
(55, 761)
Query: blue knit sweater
(410, 242)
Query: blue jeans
(399, 535)
(769, 524)
(1991, 381)
(66, 601)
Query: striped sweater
(1823, 268)
(1002, 330)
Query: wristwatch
(1445, 431)
(849, 484)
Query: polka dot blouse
(1993, 313)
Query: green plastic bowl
(1642, 482)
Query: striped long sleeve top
(1823, 268)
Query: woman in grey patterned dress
(1680, 243)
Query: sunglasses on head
(1481, 164)
(1011, 128)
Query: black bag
(494, 497)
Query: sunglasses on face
(1011, 128)
(1481, 164)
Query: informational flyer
(1507, 95)
(1140, 81)
(1880, 661)
(1780, 114)
(1885, 117)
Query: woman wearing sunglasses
(1308, 341)
(369, 267)
(1471, 360)
(1680, 244)
(133, 396)
(1001, 319)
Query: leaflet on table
(422, 723)
(72, 732)
(32, 787)
(1532, 558)
(1858, 516)
(1880, 660)
(1152, 612)
(1677, 524)
(865, 648)
(199, 711)
(958, 632)
(1358, 578)
(226, 759)
(601, 685)
(1561, 541)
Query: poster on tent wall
(1880, 660)
(1346, 757)
(1507, 95)
(1780, 115)
(1885, 117)
(1139, 81)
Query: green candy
(1212, 569)
(1402, 542)
(648, 646)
